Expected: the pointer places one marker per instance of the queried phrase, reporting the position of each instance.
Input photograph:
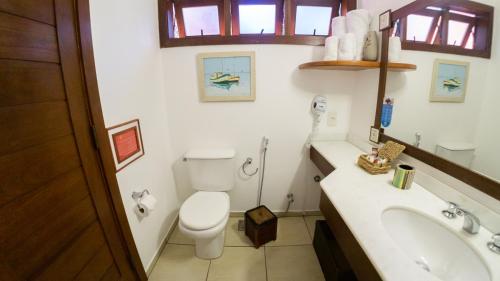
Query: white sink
(433, 246)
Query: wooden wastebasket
(261, 225)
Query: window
(463, 28)
(201, 20)
(194, 19)
(418, 28)
(255, 19)
(207, 22)
(310, 20)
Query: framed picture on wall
(449, 81)
(226, 76)
(126, 143)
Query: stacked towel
(358, 23)
(394, 48)
(339, 28)
(331, 48)
(347, 47)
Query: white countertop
(360, 199)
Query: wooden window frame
(482, 24)
(168, 8)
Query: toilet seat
(204, 210)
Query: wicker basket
(390, 151)
(372, 168)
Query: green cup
(403, 176)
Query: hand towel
(394, 49)
(358, 23)
(339, 28)
(331, 48)
(347, 47)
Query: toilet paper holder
(138, 195)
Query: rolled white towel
(339, 27)
(394, 49)
(347, 47)
(331, 48)
(361, 13)
(358, 23)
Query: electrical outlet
(332, 119)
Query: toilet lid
(204, 210)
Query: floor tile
(239, 263)
(291, 231)
(293, 263)
(179, 238)
(235, 237)
(311, 223)
(178, 262)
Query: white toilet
(203, 216)
(461, 153)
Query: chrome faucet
(471, 222)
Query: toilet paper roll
(339, 28)
(394, 49)
(146, 205)
(331, 48)
(347, 47)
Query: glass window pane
(418, 27)
(204, 18)
(254, 18)
(310, 18)
(456, 32)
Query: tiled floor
(290, 258)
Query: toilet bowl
(203, 218)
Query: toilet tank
(211, 169)
(461, 153)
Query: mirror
(449, 108)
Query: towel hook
(247, 162)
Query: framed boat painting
(226, 76)
(449, 81)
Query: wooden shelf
(355, 65)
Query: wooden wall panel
(39, 10)
(29, 169)
(27, 214)
(30, 124)
(112, 274)
(25, 39)
(50, 240)
(97, 267)
(69, 263)
(30, 81)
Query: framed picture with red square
(126, 143)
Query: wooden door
(56, 217)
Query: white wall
(488, 133)
(280, 112)
(128, 62)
